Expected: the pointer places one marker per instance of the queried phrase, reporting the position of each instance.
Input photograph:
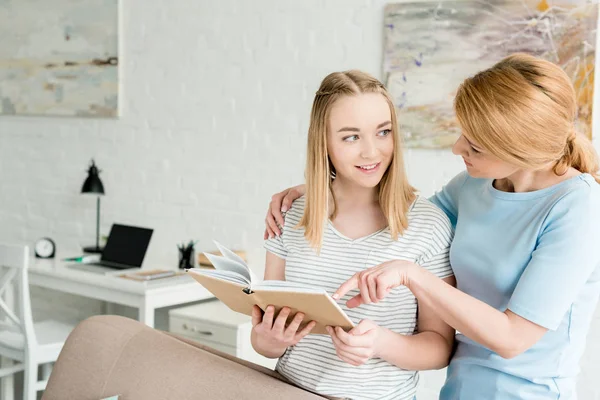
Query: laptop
(125, 249)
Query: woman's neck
(347, 193)
(524, 181)
(358, 212)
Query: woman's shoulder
(584, 183)
(294, 214)
(580, 191)
(425, 212)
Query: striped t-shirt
(313, 363)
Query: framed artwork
(430, 47)
(59, 58)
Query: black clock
(45, 248)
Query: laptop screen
(126, 245)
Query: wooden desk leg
(8, 382)
(146, 315)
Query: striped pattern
(313, 363)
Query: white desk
(145, 296)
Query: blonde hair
(523, 111)
(395, 194)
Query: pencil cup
(186, 257)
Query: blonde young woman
(365, 215)
(526, 249)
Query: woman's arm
(505, 333)
(274, 268)
(502, 332)
(430, 348)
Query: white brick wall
(215, 103)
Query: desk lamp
(93, 185)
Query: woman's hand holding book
(272, 335)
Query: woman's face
(359, 138)
(480, 162)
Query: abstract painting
(432, 46)
(59, 57)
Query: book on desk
(149, 275)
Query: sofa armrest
(109, 355)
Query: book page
(228, 276)
(234, 257)
(225, 264)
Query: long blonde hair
(523, 111)
(395, 194)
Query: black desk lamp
(93, 185)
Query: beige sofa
(109, 355)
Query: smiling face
(360, 142)
(481, 163)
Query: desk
(145, 296)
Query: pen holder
(186, 257)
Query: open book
(234, 284)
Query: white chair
(24, 345)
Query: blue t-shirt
(538, 255)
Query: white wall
(215, 104)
